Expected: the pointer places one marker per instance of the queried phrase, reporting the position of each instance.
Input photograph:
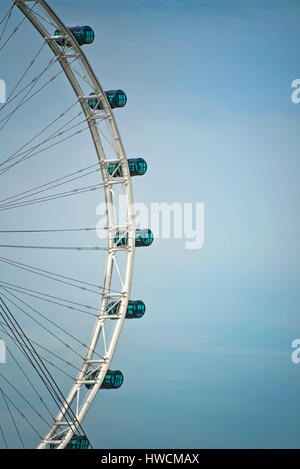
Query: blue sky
(209, 108)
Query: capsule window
(90, 36)
(142, 166)
(122, 99)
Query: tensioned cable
(49, 231)
(45, 299)
(48, 330)
(42, 325)
(41, 346)
(59, 195)
(44, 149)
(44, 19)
(58, 133)
(24, 290)
(23, 397)
(43, 273)
(45, 360)
(22, 414)
(2, 328)
(47, 377)
(74, 248)
(68, 346)
(22, 333)
(40, 132)
(12, 418)
(27, 378)
(51, 322)
(10, 97)
(19, 290)
(65, 373)
(33, 82)
(14, 199)
(50, 182)
(3, 437)
(7, 18)
(6, 15)
(83, 77)
(17, 27)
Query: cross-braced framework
(121, 238)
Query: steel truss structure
(86, 86)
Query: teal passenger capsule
(113, 379)
(137, 167)
(77, 442)
(116, 98)
(82, 34)
(143, 237)
(135, 309)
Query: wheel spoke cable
(33, 83)
(38, 363)
(67, 345)
(6, 18)
(40, 133)
(57, 277)
(10, 97)
(31, 151)
(46, 296)
(16, 28)
(59, 195)
(12, 417)
(34, 190)
(29, 193)
(44, 149)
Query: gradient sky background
(209, 108)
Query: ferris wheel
(41, 344)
